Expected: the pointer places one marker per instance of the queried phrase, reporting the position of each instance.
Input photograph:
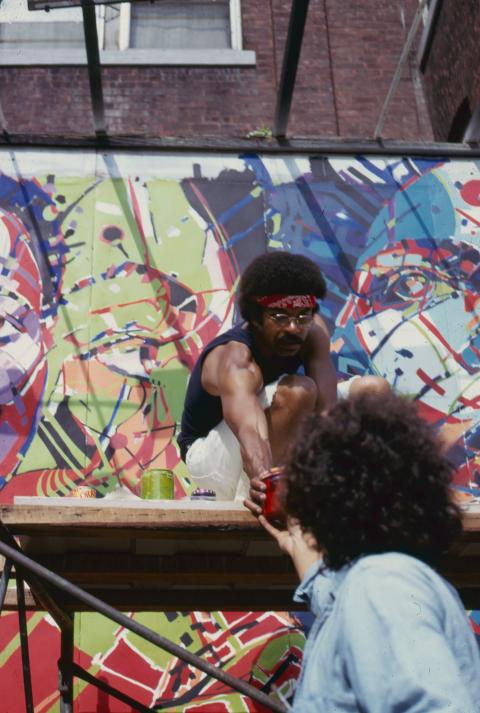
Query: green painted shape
(173, 630)
(13, 645)
(182, 237)
(273, 650)
(94, 632)
(36, 458)
(109, 481)
(173, 381)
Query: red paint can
(274, 507)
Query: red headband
(287, 301)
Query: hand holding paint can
(274, 504)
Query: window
(21, 29)
(195, 24)
(188, 32)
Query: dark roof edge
(242, 145)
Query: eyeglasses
(284, 320)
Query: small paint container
(273, 507)
(83, 491)
(203, 494)
(157, 484)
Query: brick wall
(452, 72)
(366, 42)
(349, 54)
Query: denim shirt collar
(319, 587)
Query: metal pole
(426, 41)
(34, 5)
(85, 676)
(7, 570)
(316, 148)
(143, 631)
(22, 623)
(63, 619)
(398, 72)
(3, 124)
(65, 670)
(94, 69)
(293, 46)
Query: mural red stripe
(430, 382)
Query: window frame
(124, 55)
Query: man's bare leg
(296, 397)
(376, 385)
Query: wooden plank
(145, 555)
(131, 501)
(193, 599)
(471, 525)
(470, 597)
(59, 512)
(461, 571)
(25, 518)
(106, 569)
(196, 599)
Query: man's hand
(301, 546)
(257, 494)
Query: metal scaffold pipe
(103, 608)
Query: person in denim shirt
(369, 515)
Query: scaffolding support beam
(31, 566)
(94, 68)
(23, 629)
(79, 672)
(41, 593)
(293, 46)
(398, 71)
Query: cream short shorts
(215, 461)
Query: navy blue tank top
(202, 411)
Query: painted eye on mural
(410, 286)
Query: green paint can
(157, 484)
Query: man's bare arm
(319, 365)
(230, 373)
(301, 546)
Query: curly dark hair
(278, 272)
(368, 478)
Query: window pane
(111, 27)
(181, 25)
(17, 11)
(41, 35)
(21, 28)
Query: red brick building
(450, 59)
(218, 76)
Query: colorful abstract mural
(116, 270)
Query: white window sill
(163, 58)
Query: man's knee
(296, 392)
(370, 385)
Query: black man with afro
(253, 385)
